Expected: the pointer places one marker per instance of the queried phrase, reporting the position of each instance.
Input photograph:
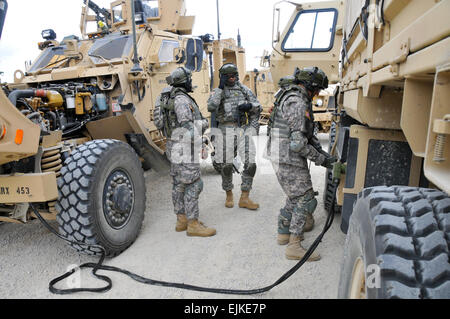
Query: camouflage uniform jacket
(187, 116)
(226, 102)
(294, 114)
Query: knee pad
(227, 169)
(284, 222)
(308, 202)
(310, 206)
(251, 169)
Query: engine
(63, 107)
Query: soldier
(237, 112)
(284, 85)
(290, 144)
(178, 115)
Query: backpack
(165, 118)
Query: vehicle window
(49, 57)
(151, 8)
(117, 14)
(312, 30)
(112, 46)
(166, 51)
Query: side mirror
(276, 32)
(3, 9)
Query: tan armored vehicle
(76, 129)
(262, 85)
(391, 60)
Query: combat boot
(229, 202)
(309, 225)
(295, 251)
(283, 239)
(198, 229)
(246, 202)
(182, 223)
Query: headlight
(48, 34)
(319, 102)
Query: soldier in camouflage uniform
(237, 112)
(284, 84)
(291, 143)
(178, 115)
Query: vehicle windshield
(143, 9)
(117, 13)
(150, 8)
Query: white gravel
(243, 255)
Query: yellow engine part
(55, 100)
(83, 103)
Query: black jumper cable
(99, 266)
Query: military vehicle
(261, 83)
(76, 128)
(391, 61)
(324, 106)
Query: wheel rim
(358, 283)
(118, 199)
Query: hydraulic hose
(99, 266)
(18, 94)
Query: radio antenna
(218, 20)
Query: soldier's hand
(245, 107)
(329, 161)
(223, 81)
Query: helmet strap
(188, 83)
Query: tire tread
(75, 222)
(411, 227)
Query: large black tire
(329, 198)
(405, 233)
(101, 197)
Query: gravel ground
(243, 255)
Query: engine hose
(34, 115)
(99, 266)
(17, 94)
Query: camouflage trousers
(234, 141)
(296, 184)
(187, 186)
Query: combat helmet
(286, 81)
(179, 77)
(228, 69)
(312, 78)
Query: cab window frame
(294, 23)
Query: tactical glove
(329, 161)
(245, 107)
(223, 81)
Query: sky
(27, 18)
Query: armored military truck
(391, 61)
(76, 128)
